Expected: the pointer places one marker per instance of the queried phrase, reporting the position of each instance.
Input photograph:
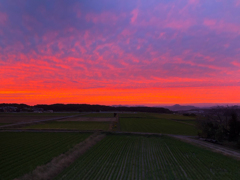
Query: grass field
(139, 157)
(100, 115)
(1, 124)
(156, 115)
(156, 125)
(90, 119)
(22, 152)
(192, 122)
(131, 115)
(38, 114)
(79, 125)
(173, 116)
(28, 117)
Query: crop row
(156, 125)
(138, 157)
(79, 125)
(23, 152)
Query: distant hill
(89, 108)
(178, 107)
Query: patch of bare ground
(89, 119)
(211, 146)
(58, 164)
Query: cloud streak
(119, 45)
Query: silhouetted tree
(221, 123)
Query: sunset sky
(111, 52)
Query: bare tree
(220, 123)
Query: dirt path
(59, 163)
(213, 147)
(20, 124)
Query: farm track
(59, 163)
(23, 152)
(214, 147)
(20, 124)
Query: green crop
(141, 157)
(79, 125)
(156, 125)
(21, 153)
(99, 115)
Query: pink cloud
(209, 22)
(134, 15)
(193, 1)
(166, 16)
(237, 3)
(179, 24)
(3, 18)
(222, 26)
(235, 63)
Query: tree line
(220, 124)
(89, 108)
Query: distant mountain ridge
(178, 107)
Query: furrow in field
(126, 157)
(154, 158)
(192, 168)
(153, 163)
(105, 164)
(177, 163)
(169, 163)
(80, 175)
(122, 160)
(141, 157)
(115, 161)
(162, 161)
(28, 152)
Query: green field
(22, 152)
(173, 116)
(78, 125)
(139, 157)
(137, 114)
(156, 125)
(156, 115)
(99, 115)
(1, 124)
(38, 114)
(28, 117)
(192, 122)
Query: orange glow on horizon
(154, 96)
